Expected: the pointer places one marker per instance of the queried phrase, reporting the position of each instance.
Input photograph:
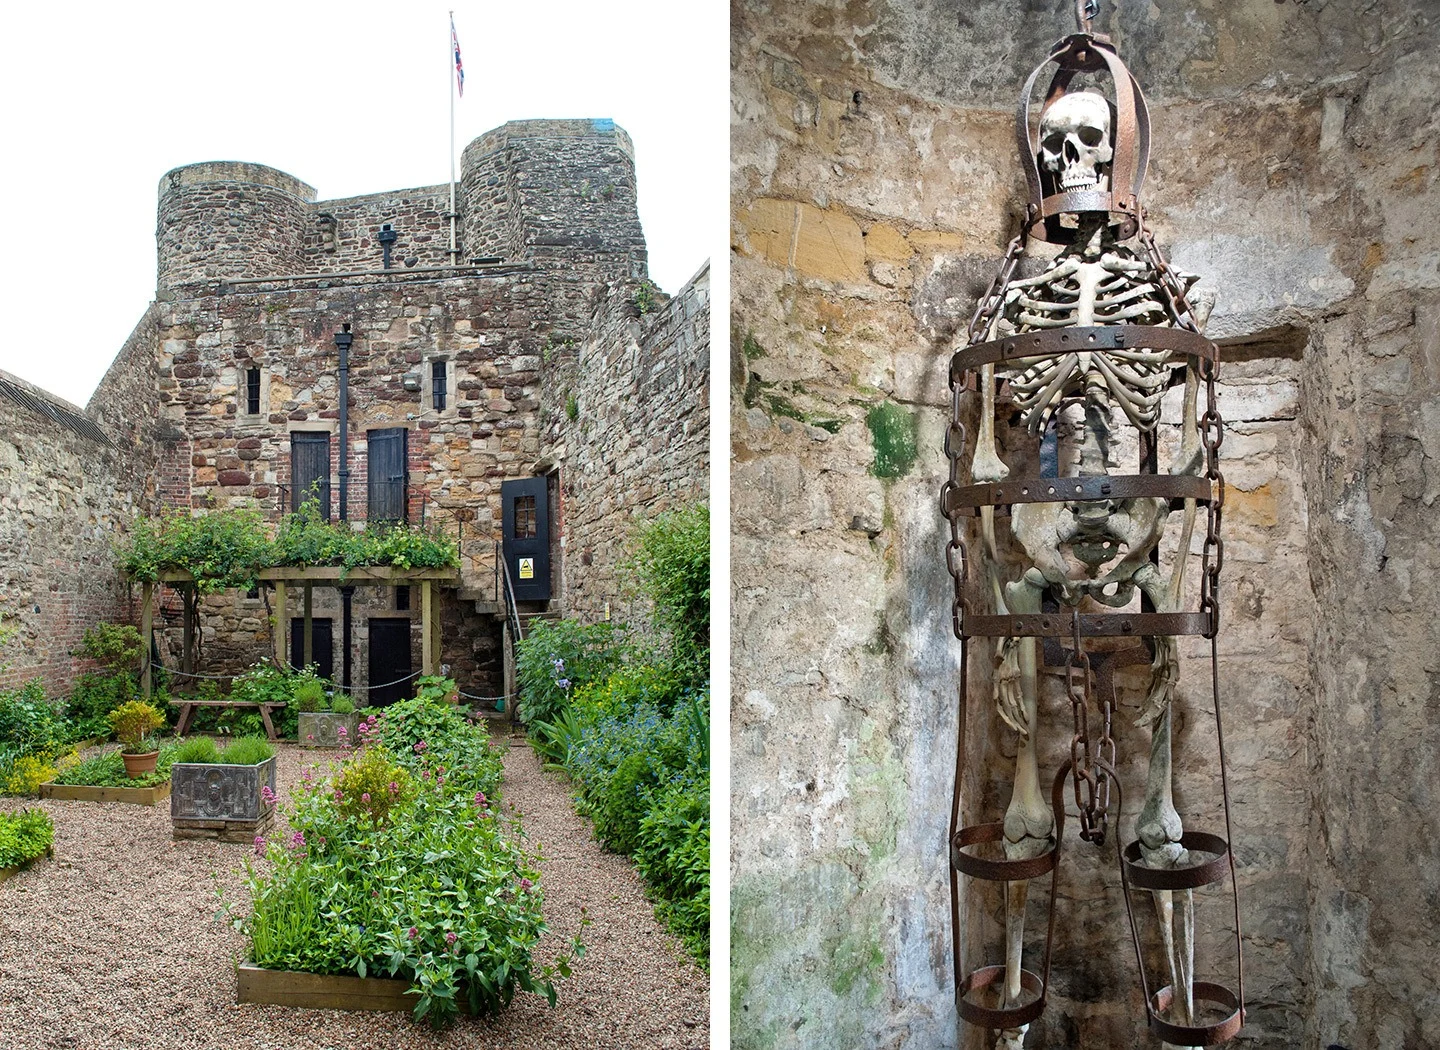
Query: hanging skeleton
(1102, 333)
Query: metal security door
(387, 474)
(525, 537)
(389, 661)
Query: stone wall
(70, 482)
(874, 188)
(638, 444)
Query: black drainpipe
(343, 340)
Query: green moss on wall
(893, 436)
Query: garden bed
(316, 991)
(144, 796)
(16, 869)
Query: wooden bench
(187, 712)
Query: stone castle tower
(536, 351)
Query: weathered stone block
(322, 728)
(215, 791)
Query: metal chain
(1085, 770)
(1212, 432)
(986, 310)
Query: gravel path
(113, 944)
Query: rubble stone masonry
(875, 185)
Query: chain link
(1091, 781)
(1212, 433)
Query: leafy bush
(673, 563)
(108, 770)
(229, 548)
(310, 695)
(435, 687)
(559, 657)
(368, 787)
(342, 705)
(31, 724)
(643, 777)
(116, 646)
(132, 722)
(430, 736)
(95, 695)
(24, 836)
(438, 893)
(26, 774)
(197, 749)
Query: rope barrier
(385, 685)
(492, 699)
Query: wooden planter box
(81, 793)
(215, 800)
(316, 991)
(11, 872)
(324, 726)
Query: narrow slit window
(526, 526)
(437, 384)
(252, 391)
(402, 598)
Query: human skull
(1075, 140)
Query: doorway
(525, 537)
(390, 660)
(322, 645)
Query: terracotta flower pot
(139, 765)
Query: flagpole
(450, 75)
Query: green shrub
(560, 657)
(673, 563)
(31, 724)
(132, 723)
(199, 749)
(673, 853)
(25, 774)
(370, 786)
(342, 705)
(438, 893)
(116, 646)
(432, 737)
(247, 751)
(24, 836)
(434, 687)
(310, 695)
(96, 694)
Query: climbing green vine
(229, 548)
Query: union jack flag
(459, 68)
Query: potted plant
(133, 723)
(324, 721)
(227, 795)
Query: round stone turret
(225, 219)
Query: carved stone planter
(213, 800)
(322, 728)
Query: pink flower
(297, 840)
(419, 747)
(365, 796)
(439, 781)
(481, 800)
(267, 795)
(394, 788)
(414, 933)
(374, 893)
(309, 736)
(450, 937)
(339, 795)
(525, 884)
(340, 731)
(259, 845)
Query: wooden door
(322, 645)
(525, 537)
(310, 470)
(388, 476)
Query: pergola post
(309, 641)
(189, 604)
(147, 594)
(427, 627)
(282, 626)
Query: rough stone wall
(639, 442)
(875, 185)
(341, 234)
(65, 495)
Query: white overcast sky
(101, 100)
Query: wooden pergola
(284, 577)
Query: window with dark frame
(437, 384)
(402, 598)
(526, 522)
(252, 391)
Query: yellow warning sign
(527, 568)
